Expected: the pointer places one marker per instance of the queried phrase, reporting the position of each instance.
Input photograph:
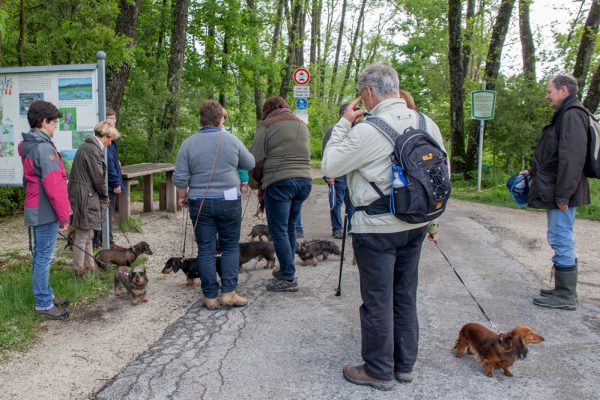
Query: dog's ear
(521, 347)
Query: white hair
(381, 79)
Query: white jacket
(362, 153)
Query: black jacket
(557, 164)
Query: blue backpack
(424, 164)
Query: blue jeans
(299, 228)
(339, 193)
(223, 217)
(45, 241)
(283, 201)
(560, 236)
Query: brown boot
(211, 304)
(233, 299)
(356, 374)
(91, 268)
(79, 272)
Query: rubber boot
(550, 292)
(563, 296)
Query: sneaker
(339, 234)
(356, 374)
(53, 313)
(403, 377)
(233, 299)
(211, 304)
(281, 285)
(60, 302)
(299, 235)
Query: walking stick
(338, 292)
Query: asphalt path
(293, 345)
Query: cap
(518, 186)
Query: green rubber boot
(564, 294)
(550, 292)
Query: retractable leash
(338, 291)
(461, 281)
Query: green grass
(19, 324)
(133, 223)
(494, 192)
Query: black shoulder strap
(386, 129)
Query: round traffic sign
(301, 76)
(301, 104)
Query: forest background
(164, 57)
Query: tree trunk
(492, 66)
(315, 30)
(116, 79)
(527, 46)
(294, 54)
(256, 49)
(224, 68)
(178, 40)
(586, 46)
(21, 40)
(337, 51)
(468, 36)
(593, 94)
(457, 129)
(275, 44)
(352, 50)
(325, 53)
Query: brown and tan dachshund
(495, 351)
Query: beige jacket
(362, 153)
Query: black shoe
(281, 285)
(339, 234)
(277, 274)
(53, 313)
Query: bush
(11, 200)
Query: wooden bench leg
(148, 193)
(170, 193)
(125, 199)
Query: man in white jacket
(387, 249)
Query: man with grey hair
(387, 249)
(558, 185)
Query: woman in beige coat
(86, 191)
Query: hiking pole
(338, 292)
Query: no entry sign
(301, 76)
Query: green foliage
(132, 223)
(19, 324)
(11, 200)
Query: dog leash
(72, 243)
(463, 282)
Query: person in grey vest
(387, 250)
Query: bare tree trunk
(468, 36)
(178, 41)
(116, 79)
(294, 56)
(326, 48)
(21, 40)
(527, 46)
(358, 57)
(275, 43)
(457, 129)
(315, 30)
(352, 50)
(492, 66)
(586, 46)
(593, 94)
(337, 51)
(224, 67)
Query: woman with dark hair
(282, 144)
(207, 180)
(46, 201)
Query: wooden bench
(130, 174)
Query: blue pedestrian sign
(301, 104)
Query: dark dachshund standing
(495, 351)
(189, 268)
(106, 258)
(259, 250)
(134, 280)
(309, 251)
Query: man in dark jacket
(559, 185)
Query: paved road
(293, 346)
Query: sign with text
(483, 103)
(301, 92)
(302, 115)
(301, 76)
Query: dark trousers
(388, 264)
(222, 217)
(283, 201)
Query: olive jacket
(86, 185)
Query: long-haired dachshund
(495, 351)
(122, 258)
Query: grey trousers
(388, 265)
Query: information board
(73, 89)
